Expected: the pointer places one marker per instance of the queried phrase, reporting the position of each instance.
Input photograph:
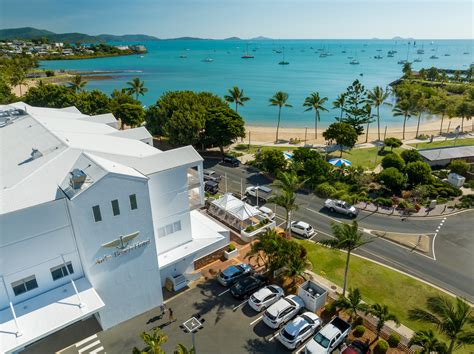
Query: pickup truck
(262, 192)
(329, 337)
(341, 207)
(211, 175)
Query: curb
(417, 216)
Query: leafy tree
(418, 172)
(465, 110)
(310, 166)
(432, 74)
(426, 339)
(355, 107)
(393, 143)
(406, 69)
(182, 349)
(77, 83)
(406, 109)
(279, 99)
(453, 318)
(351, 304)
(376, 98)
(153, 342)
(136, 87)
(343, 133)
(236, 96)
(93, 102)
(315, 102)
(393, 160)
(297, 264)
(130, 114)
(339, 103)
(51, 96)
(272, 161)
(383, 315)
(420, 102)
(346, 237)
(392, 178)
(411, 155)
(441, 104)
(6, 95)
(460, 167)
(118, 98)
(18, 78)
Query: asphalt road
(450, 266)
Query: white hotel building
(93, 220)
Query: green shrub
(241, 147)
(340, 186)
(418, 172)
(358, 331)
(330, 309)
(358, 321)
(406, 205)
(393, 340)
(231, 247)
(393, 160)
(467, 201)
(384, 202)
(49, 73)
(392, 178)
(325, 190)
(460, 167)
(250, 228)
(381, 347)
(393, 143)
(411, 156)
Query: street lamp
(193, 325)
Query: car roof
(264, 189)
(302, 223)
(231, 270)
(329, 331)
(265, 209)
(264, 292)
(295, 326)
(211, 183)
(209, 172)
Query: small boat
(378, 57)
(361, 74)
(247, 55)
(323, 55)
(283, 61)
(379, 50)
(363, 50)
(343, 51)
(420, 51)
(183, 56)
(354, 62)
(141, 56)
(401, 62)
(418, 60)
(350, 57)
(434, 57)
(390, 55)
(466, 53)
(208, 60)
(447, 55)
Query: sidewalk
(439, 210)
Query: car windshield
(270, 316)
(290, 302)
(307, 319)
(254, 299)
(273, 289)
(321, 340)
(231, 271)
(288, 335)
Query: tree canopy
(355, 107)
(344, 135)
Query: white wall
(130, 284)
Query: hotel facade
(94, 221)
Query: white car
(267, 212)
(342, 207)
(282, 311)
(302, 228)
(265, 297)
(298, 330)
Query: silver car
(265, 297)
(342, 207)
(282, 311)
(298, 330)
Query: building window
(133, 201)
(97, 215)
(24, 285)
(169, 229)
(60, 271)
(115, 207)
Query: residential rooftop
(447, 153)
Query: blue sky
(247, 18)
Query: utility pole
(305, 134)
(225, 180)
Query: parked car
(342, 207)
(329, 337)
(356, 347)
(233, 273)
(260, 192)
(211, 187)
(265, 297)
(248, 285)
(302, 228)
(231, 160)
(268, 212)
(282, 311)
(211, 175)
(298, 330)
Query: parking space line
(89, 346)
(273, 337)
(236, 307)
(256, 320)
(300, 349)
(222, 293)
(96, 351)
(84, 341)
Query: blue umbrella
(338, 162)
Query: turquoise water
(163, 70)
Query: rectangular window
(133, 201)
(169, 229)
(24, 285)
(177, 226)
(97, 215)
(115, 207)
(60, 271)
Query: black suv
(230, 160)
(247, 286)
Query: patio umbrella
(338, 162)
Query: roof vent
(78, 177)
(35, 154)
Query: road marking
(273, 337)
(95, 351)
(93, 344)
(300, 349)
(433, 246)
(222, 293)
(237, 307)
(84, 341)
(256, 320)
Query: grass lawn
(437, 144)
(365, 157)
(244, 148)
(377, 283)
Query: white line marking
(274, 336)
(222, 293)
(437, 230)
(236, 307)
(95, 351)
(300, 349)
(256, 320)
(84, 341)
(97, 342)
(433, 246)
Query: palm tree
(18, 77)
(441, 105)
(383, 315)
(376, 98)
(340, 102)
(236, 96)
(137, 87)
(314, 102)
(182, 349)
(368, 109)
(403, 108)
(296, 267)
(287, 183)
(419, 107)
(453, 318)
(279, 99)
(346, 237)
(153, 342)
(465, 111)
(351, 304)
(77, 83)
(428, 341)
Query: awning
(47, 313)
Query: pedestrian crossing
(90, 345)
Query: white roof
(140, 133)
(62, 136)
(449, 152)
(244, 211)
(227, 202)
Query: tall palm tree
(136, 87)
(441, 105)
(465, 111)
(236, 96)
(376, 98)
(420, 104)
(383, 315)
(346, 237)
(427, 340)
(287, 183)
(279, 99)
(77, 83)
(296, 268)
(403, 108)
(453, 318)
(351, 304)
(182, 349)
(340, 103)
(153, 342)
(370, 119)
(315, 102)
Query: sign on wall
(122, 245)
